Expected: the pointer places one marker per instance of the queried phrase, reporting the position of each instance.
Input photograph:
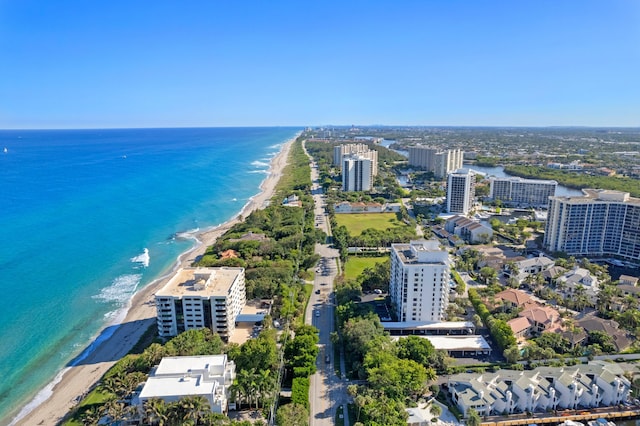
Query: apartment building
(461, 191)
(355, 149)
(439, 162)
(518, 192)
(419, 286)
(201, 297)
(357, 173)
(600, 223)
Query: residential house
(525, 267)
(521, 327)
(512, 298)
(579, 277)
(628, 280)
(358, 207)
(542, 319)
(292, 201)
(208, 376)
(469, 230)
(610, 327)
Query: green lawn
(355, 265)
(358, 222)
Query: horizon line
(568, 126)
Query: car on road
(318, 291)
(327, 359)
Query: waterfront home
(595, 384)
(208, 376)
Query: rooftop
(202, 282)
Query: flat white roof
(179, 376)
(175, 365)
(427, 325)
(201, 282)
(158, 387)
(455, 343)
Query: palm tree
(237, 393)
(193, 407)
(580, 300)
(473, 418)
(266, 384)
(113, 384)
(115, 410)
(514, 271)
(131, 381)
(91, 416)
(156, 411)
(361, 401)
(435, 409)
(153, 354)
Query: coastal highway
(327, 391)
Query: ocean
(78, 208)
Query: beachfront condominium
(358, 149)
(419, 286)
(461, 191)
(201, 297)
(357, 173)
(600, 223)
(518, 192)
(439, 162)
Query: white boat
(5, 150)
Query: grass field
(355, 265)
(357, 222)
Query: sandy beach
(77, 380)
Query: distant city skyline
(121, 64)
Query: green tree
(512, 354)
(156, 411)
(193, 408)
(435, 409)
(292, 415)
(488, 274)
(473, 418)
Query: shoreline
(56, 399)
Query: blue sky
(77, 64)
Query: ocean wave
(264, 171)
(143, 258)
(277, 146)
(258, 163)
(120, 290)
(40, 397)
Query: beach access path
(75, 381)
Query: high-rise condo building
(600, 223)
(357, 149)
(515, 191)
(419, 286)
(357, 173)
(201, 297)
(437, 161)
(461, 191)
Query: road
(327, 391)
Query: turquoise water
(76, 208)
